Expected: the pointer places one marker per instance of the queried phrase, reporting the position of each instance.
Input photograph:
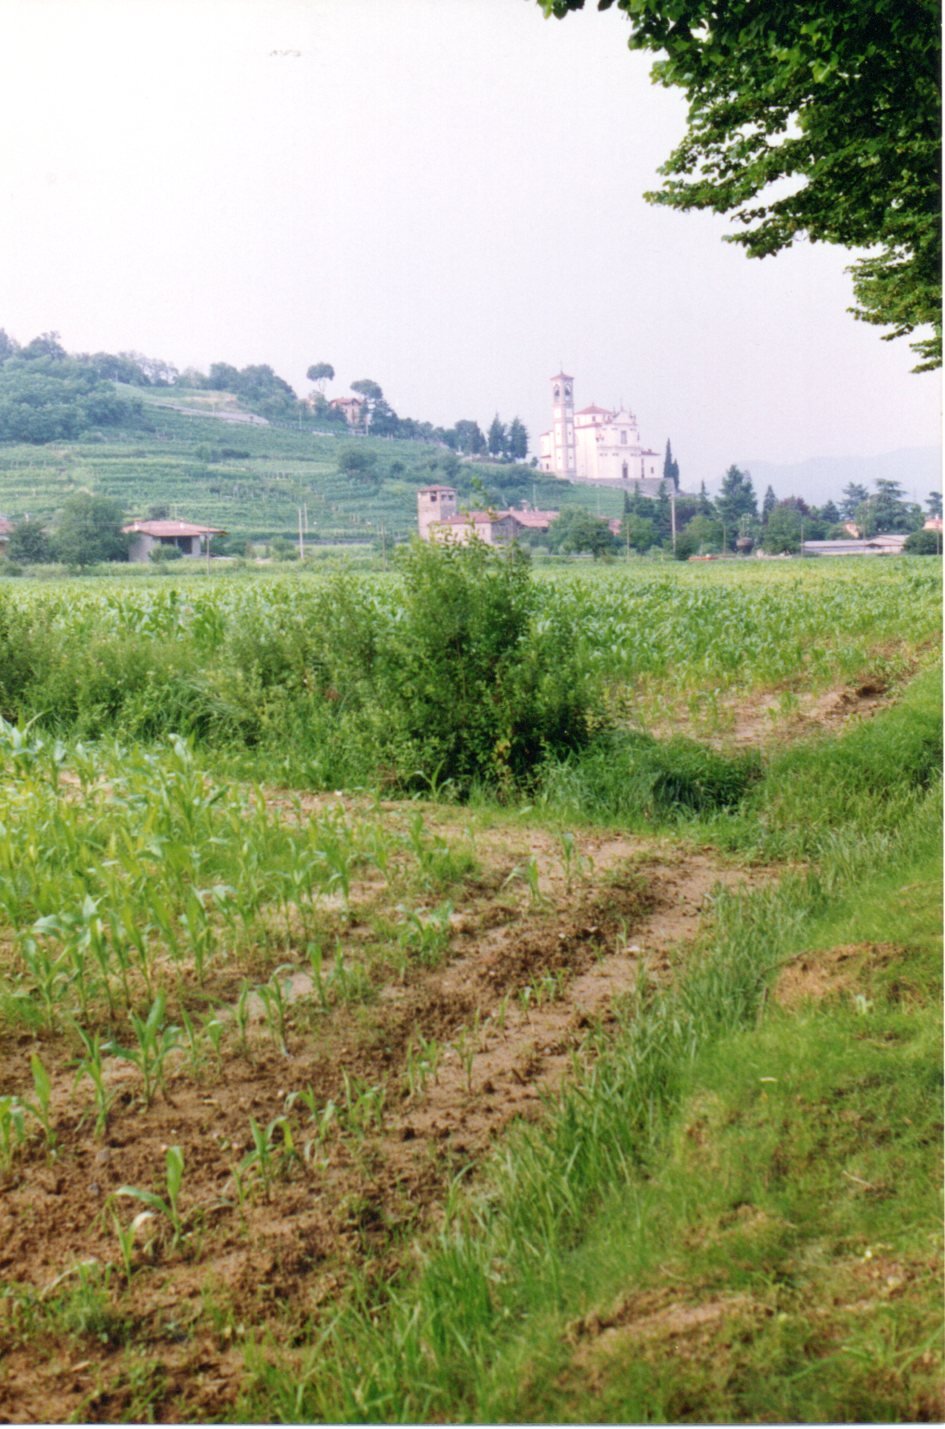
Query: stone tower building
(434, 504)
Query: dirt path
(421, 1080)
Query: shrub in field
(475, 686)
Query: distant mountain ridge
(819, 479)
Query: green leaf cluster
(809, 119)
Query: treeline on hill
(47, 394)
(733, 521)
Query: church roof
(561, 377)
(582, 411)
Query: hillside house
(189, 538)
(6, 530)
(353, 409)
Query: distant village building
(595, 443)
(353, 409)
(890, 545)
(6, 531)
(188, 538)
(439, 519)
(932, 523)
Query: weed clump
(627, 775)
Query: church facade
(593, 443)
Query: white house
(594, 443)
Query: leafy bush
(474, 686)
(924, 543)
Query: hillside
(207, 459)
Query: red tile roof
(533, 520)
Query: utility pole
(672, 512)
(301, 538)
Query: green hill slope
(208, 460)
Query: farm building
(871, 546)
(188, 538)
(595, 443)
(438, 519)
(6, 530)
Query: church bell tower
(564, 460)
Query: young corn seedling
(41, 1108)
(241, 1017)
(212, 1028)
(427, 934)
(52, 973)
(92, 1066)
(418, 1070)
(573, 863)
(363, 1105)
(265, 1157)
(316, 959)
(527, 873)
(272, 995)
(324, 1123)
(169, 1206)
(12, 1130)
(349, 983)
(126, 1236)
(155, 1040)
(465, 1048)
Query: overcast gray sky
(442, 195)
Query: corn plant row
(131, 885)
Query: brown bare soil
(766, 717)
(407, 1086)
(832, 972)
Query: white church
(594, 443)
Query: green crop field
(444, 990)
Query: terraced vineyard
(605, 1091)
(251, 480)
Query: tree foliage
(735, 499)
(89, 530)
(809, 118)
(576, 530)
(50, 396)
(29, 543)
